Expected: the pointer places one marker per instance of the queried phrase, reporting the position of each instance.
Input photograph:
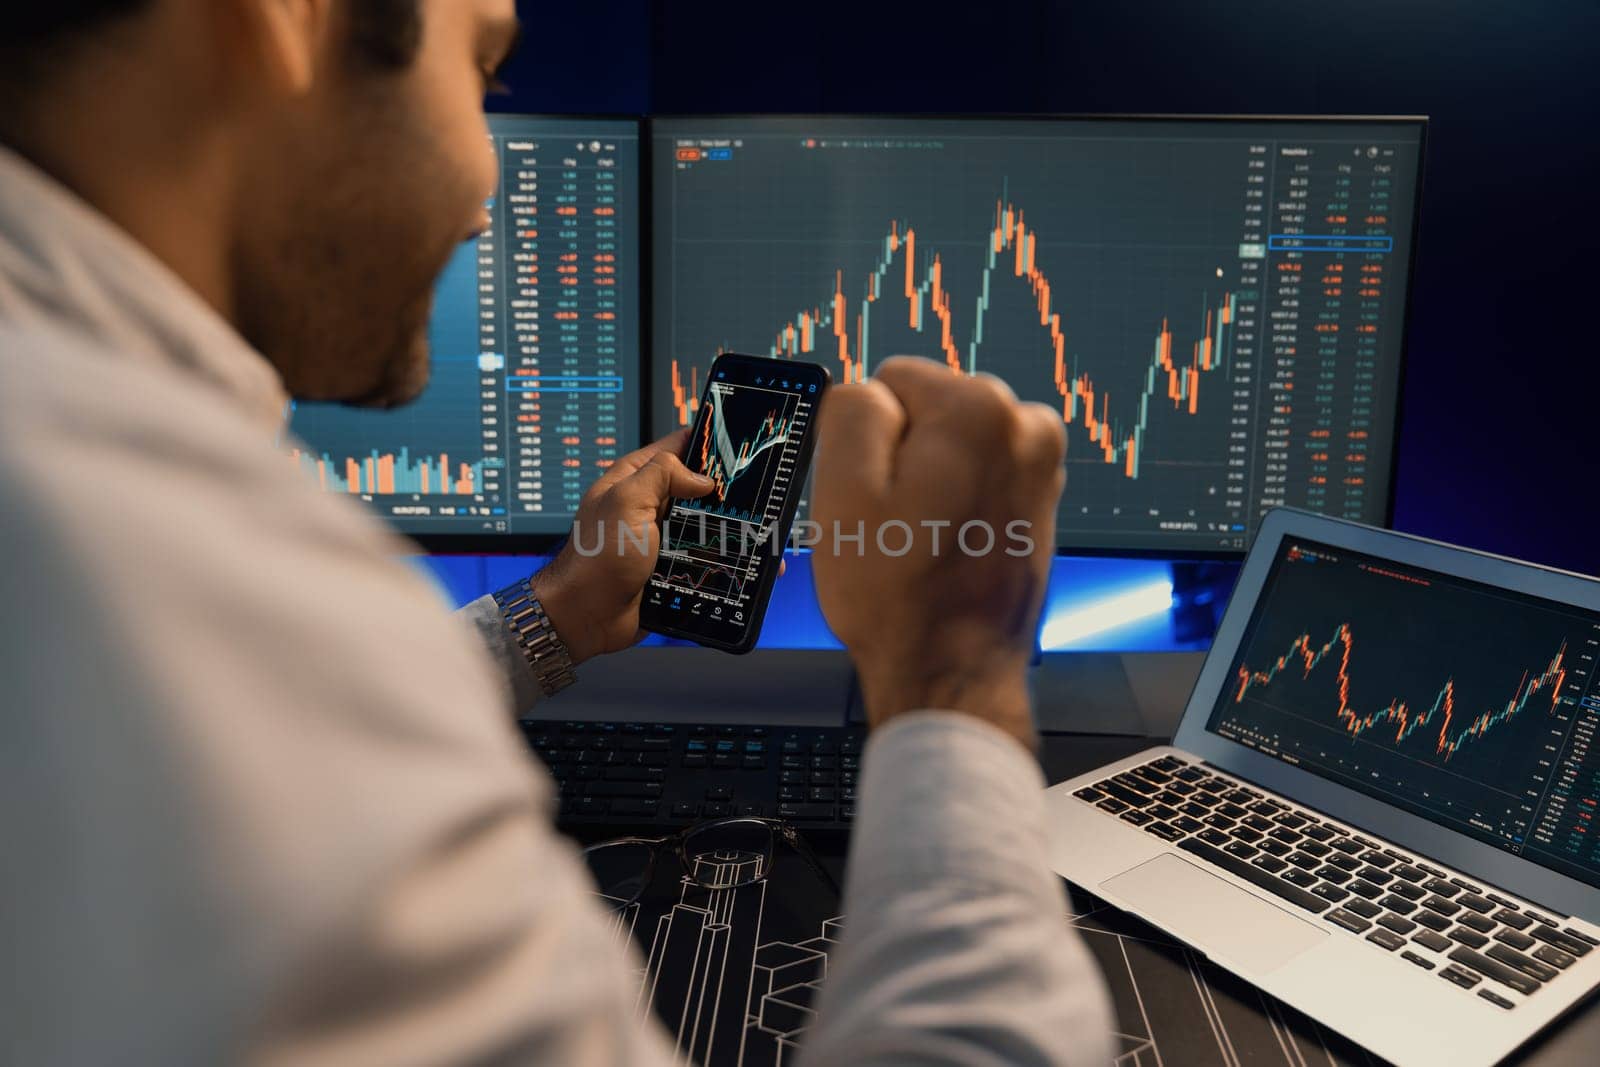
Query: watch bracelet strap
(536, 637)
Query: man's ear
(283, 39)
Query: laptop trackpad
(1203, 910)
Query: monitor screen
(1215, 307)
(536, 362)
(1471, 706)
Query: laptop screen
(1471, 706)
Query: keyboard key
(1432, 920)
(1563, 941)
(1515, 939)
(1221, 822)
(1429, 939)
(1496, 999)
(685, 810)
(1425, 964)
(1195, 811)
(1378, 860)
(752, 809)
(1270, 864)
(634, 807)
(1273, 848)
(1291, 820)
(1386, 939)
(1364, 908)
(808, 812)
(1191, 774)
(1138, 785)
(1257, 822)
(1470, 938)
(823, 795)
(1168, 764)
(1214, 837)
(1529, 966)
(1318, 833)
(1410, 873)
(1477, 922)
(1254, 875)
(625, 789)
(1468, 886)
(1554, 957)
(1303, 861)
(1398, 904)
(1332, 874)
(1240, 796)
(1265, 807)
(1391, 921)
(1375, 875)
(1345, 863)
(1231, 811)
(1240, 849)
(1481, 905)
(1503, 902)
(1161, 811)
(1183, 789)
(1407, 890)
(1246, 834)
(1150, 774)
(1441, 888)
(1138, 818)
(1581, 936)
(1111, 804)
(1460, 976)
(718, 809)
(1314, 848)
(1515, 920)
(1354, 923)
(1165, 831)
(1187, 825)
(1330, 892)
(1536, 917)
(1506, 976)
(1441, 905)
(1347, 845)
(1286, 835)
(632, 774)
(793, 794)
(1303, 879)
(586, 806)
(1169, 798)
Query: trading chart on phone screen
(747, 438)
(1215, 309)
(1474, 707)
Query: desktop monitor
(1216, 307)
(536, 355)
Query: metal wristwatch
(534, 634)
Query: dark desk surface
(1251, 1017)
(733, 974)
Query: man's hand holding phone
(944, 616)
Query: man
(263, 802)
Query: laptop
(1382, 805)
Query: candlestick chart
(1436, 694)
(1124, 279)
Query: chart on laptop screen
(1474, 707)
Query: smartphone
(752, 435)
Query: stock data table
(535, 352)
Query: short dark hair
(386, 33)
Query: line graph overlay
(746, 441)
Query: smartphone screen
(752, 434)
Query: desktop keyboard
(671, 774)
(1396, 902)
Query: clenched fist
(952, 485)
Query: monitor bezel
(544, 544)
(1515, 874)
(1061, 548)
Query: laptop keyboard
(1466, 934)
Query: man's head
(308, 165)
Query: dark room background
(1501, 425)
